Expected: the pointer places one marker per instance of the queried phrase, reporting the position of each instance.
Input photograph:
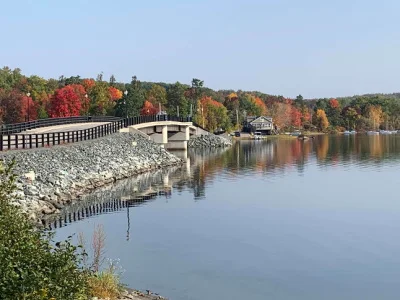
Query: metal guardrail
(11, 139)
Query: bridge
(172, 132)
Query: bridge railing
(154, 118)
(11, 139)
(19, 127)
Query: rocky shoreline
(136, 295)
(51, 178)
(209, 141)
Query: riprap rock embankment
(209, 141)
(52, 177)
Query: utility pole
(125, 103)
(177, 110)
(28, 95)
(202, 114)
(237, 118)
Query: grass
(102, 283)
(106, 283)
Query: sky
(315, 48)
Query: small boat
(385, 132)
(257, 135)
(372, 132)
(303, 137)
(350, 132)
(295, 133)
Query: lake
(272, 219)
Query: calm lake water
(274, 219)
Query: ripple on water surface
(274, 219)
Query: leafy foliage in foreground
(31, 265)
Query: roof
(261, 119)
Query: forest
(26, 98)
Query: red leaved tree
(67, 101)
(148, 109)
(334, 103)
(296, 117)
(16, 107)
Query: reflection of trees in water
(360, 147)
(206, 164)
(267, 156)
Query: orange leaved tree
(148, 109)
(320, 120)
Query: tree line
(24, 98)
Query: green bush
(32, 266)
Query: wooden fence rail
(17, 141)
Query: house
(261, 124)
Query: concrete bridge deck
(64, 128)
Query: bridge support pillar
(166, 180)
(165, 134)
(188, 166)
(187, 133)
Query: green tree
(176, 98)
(299, 102)
(9, 79)
(135, 98)
(157, 95)
(247, 103)
(100, 102)
(112, 80)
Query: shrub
(106, 284)
(102, 283)
(32, 266)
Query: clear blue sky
(314, 47)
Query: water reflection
(274, 219)
(245, 158)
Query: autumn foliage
(212, 114)
(148, 109)
(333, 103)
(261, 106)
(296, 117)
(67, 102)
(225, 109)
(115, 94)
(321, 120)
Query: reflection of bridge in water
(126, 193)
(137, 190)
(88, 210)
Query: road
(64, 128)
